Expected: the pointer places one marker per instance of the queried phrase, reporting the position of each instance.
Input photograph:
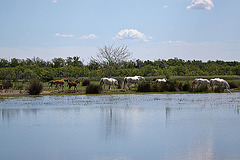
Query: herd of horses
(136, 79)
(61, 83)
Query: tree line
(15, 69)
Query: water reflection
(200, 126)
(8, 114)
(114, 122)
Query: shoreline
(23, 93)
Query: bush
(34, 88)
(233, 85)
(7, 84)
(144, 87)
(185, 87)
(172, 86)
(85, 82)
(93, 89)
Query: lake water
(121, 127)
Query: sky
(152, 29)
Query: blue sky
(152, 29)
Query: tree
(111, 57)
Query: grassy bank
(18, 88)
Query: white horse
(202, 81)
(134, 79)
(108, 81)
(220, 82)
(164, 80)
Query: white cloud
(132, 34)
(54, 1)
(64, 35)
(165, 6)
(201, 4)
(90, 36)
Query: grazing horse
(58, 82)
(74, 84)
(134, 79)
(164, 80)
(51, 83)
(199, 81)
(108, 81)
(220, 82)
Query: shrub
(200, 88)
(144, 87)
(85, 82)
(185, 87)
(7, 84)
(34, 88)
(172, 86)
(233, 85)
(93, 89)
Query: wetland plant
(93, 89)
(85, 82)
(144, 87)
(34, 88)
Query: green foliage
(93, 89)
(42, 70)
(18, 87)
(34, 88)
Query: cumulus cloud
(132, 34)
(90, 36)
(201, 4)
(64, 35)
(54, 1)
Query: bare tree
(111, 57)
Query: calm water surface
(121, 127)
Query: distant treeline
(15, 69)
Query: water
(121, 127)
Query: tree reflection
(8, 114)
(114, 122)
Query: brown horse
(51, 83)
(1, 86)
(58, 82)
(74, 84)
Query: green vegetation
(18, 73)
(73, 67)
